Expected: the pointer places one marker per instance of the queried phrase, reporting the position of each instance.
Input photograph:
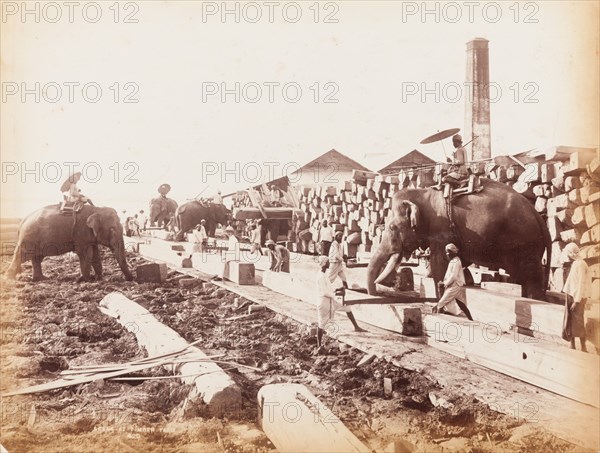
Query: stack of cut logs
(565, 190)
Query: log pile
(360, 206)
(564, 188)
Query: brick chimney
(477, 100)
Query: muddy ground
(52, 325)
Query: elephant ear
(93, 222)
(412, 212)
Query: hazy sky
(176, 59)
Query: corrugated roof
(333, 156)
(410, 160)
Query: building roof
(410, 160)
(341, 161)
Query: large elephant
(190, 214)
(47, 232)
(161, 211)
(496, 228)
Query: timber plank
(295, 420)
(570, 373)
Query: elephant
(189, 214)
(48, 232)
(161, 211)
(273, 228)
(496, 227)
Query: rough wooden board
(241, 273)
(211, 383)
(397, 318)
(512, 289)
(570, 420)
(295, 420)
(573, 374)
(507, 311)
(163, 254)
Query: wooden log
(361, 176)
(578, 217)
(570, 373)
(571, 182)
(592, 215)
(511, 289)
(540, 204)
(209, 382)
(295, 420)
(557, 248)
(572, 235)
(581, 158)
(558, 203)
(554, 227)
(548, 171)
(564, 217)
(151, 273)
(591, 236)
(575, 196)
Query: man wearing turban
(577, 290)
(455, 297)
(327, 302)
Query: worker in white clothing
(336, 260)
(455, 297)
(200, 237)
(577, 289)
(328, 302)
(325, 238)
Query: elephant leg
(97, 263)
(36, 262)
(15, 265)
(85, 263)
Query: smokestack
(477, 104)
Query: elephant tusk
(391, 264)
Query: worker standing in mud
(328, 304)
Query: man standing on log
(327, 302)
(453, 285)
(336, 260)
(577, 290)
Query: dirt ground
(49, 326)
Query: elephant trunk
(377, 261)
(119, 252)
(389, 268)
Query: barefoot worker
(577, 291)
(455, 297)
(327, 302)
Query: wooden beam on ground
(570, 373)
(508, 311)
(295, 420)
(395, 317)
(161, 253)
(212, 384)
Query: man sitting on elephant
(455, 295)
(458, 170)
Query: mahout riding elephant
(47, 232)
(190, 214)
(161, 211)
(496, 227)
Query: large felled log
(573, 374)
(210, 382)
(295, 420)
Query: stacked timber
(358, 207)
(573, 210)
(564, 188)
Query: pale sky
(366, 61)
